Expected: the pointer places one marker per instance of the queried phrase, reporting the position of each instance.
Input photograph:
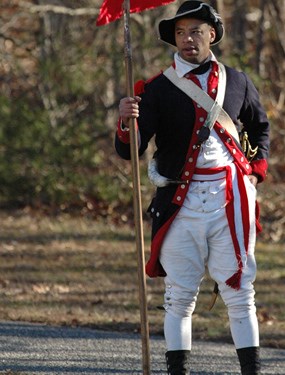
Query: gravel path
(39, 349)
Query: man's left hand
(253, 179)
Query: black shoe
(178, 362)
(249, 360)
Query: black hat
(193, 9)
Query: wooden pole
(137, 197)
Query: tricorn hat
(191, 9)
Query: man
(204, 210)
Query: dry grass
(68, 270)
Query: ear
(212, 34)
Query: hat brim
(166, 27)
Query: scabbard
(214, 296)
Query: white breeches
(198, 238)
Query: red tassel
(235, 280)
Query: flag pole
(137, 197)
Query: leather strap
(214, 109)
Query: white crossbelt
(217, 113)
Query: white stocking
(245, 332)
(178, 332)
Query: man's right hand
(129, 108)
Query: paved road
(39, 349)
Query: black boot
(249, 360)
(178, 362)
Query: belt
(206, 176)
(200, 174)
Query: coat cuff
(259, 168)
(123, 133)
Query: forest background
(61, 79)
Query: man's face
(193, 38)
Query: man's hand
(253, 179)
(129, 108)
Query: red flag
(113, 9)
